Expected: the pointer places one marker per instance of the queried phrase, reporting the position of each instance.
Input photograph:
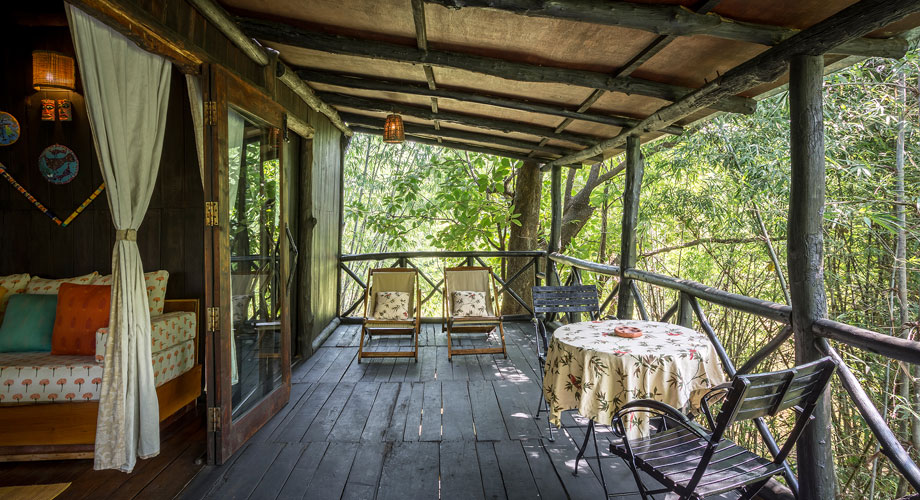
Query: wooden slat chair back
(696, 463)
(551, 300)
(387, 279)
(472, 279)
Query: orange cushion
(81, 310)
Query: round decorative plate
(9, 129)
(58, 164)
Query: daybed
(48, 403)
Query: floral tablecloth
(592, 371)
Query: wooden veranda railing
(687, 306)
(433, 285)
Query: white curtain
(126, 92)
(196, 102)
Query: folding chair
(394, 279)
(472, 279)
(570, 300)
(694, 462)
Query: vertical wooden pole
(634, 171)
(555, 227)
(684, 311)
(805, 247)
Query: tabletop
(591, 370)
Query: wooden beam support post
(684, 311)
(805, 247)
(555, 226)
(628, 250)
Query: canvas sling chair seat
(390, 280)
(472, 279)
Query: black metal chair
(695, 462)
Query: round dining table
(592, 370)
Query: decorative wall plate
(59, 164)
(9, 129)
(42, 208)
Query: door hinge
(210, 113)
(213, 319)
(210, 213)
(214, 419)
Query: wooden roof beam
(455, 145)
(458, 118)
(856, 20)
(336, 44)
(674, 20)
(353, 82)
(417, 130)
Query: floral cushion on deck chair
(392, 306)
(468, 303)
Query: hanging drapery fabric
(196, 102)
(126, 91)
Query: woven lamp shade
(51, 70)
(393, 130)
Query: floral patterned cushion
(166, 331)
(44, 286)
(466, 303)
(392, 306)
(156, 289)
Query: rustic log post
(805, 247)
(555, 226)
(684, 311)
(628, 251)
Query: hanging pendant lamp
(393, 131)
(51, 70)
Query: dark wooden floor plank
(443, 368)
(431, 412)
(247, 471)
(414, 412)
(279, 472)
(410, 470)
(460, 476)
(517, 414)
(427, 358)
(365, 472)
(490, 426)
(302, 416)
(328, 481)
(562, 455)
(298, 481)
(326, 417)
(544, 474)
(350, 424)
(518, 480)
(324, 358)
(342, 362)
(300, 393)
(493, 485)
(457, 418)
(381, 417)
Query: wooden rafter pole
(555, 226)
(459, 118)
(628, 246)
(511, 70)
(674, 20)
(514, 155)
(421, 41)
(853, 21)
(805, 247)
(449, 133)
(219, 17)
(353, 82)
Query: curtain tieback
(126, 234)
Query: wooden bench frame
(56, 431)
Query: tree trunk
(526, 202)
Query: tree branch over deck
(853, 21)
(511, 70)
(704, 241)
(514, 155)
(674, 20)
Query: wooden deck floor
(393, 428)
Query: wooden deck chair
(393, 279)
(472, 279)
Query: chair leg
(361, 344)
(600, 470)
(581, 451)
(449, 352)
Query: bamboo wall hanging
(42, 208)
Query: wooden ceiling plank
(446, 116)
(449, 133)
(503, 102)
(336, 44)
(514, 155)
(854, 21)
(674, 20)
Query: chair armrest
(720, 390)
(651, 406)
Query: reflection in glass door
(255, 261)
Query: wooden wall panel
(171, 236)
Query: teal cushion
(28, 323)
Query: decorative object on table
(58, 164)
(627, 332)
(47, 110)
(65, 110)
(52, 70)
(9, 129)
(63, 223)
(393, 131)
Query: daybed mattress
(35, 377)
